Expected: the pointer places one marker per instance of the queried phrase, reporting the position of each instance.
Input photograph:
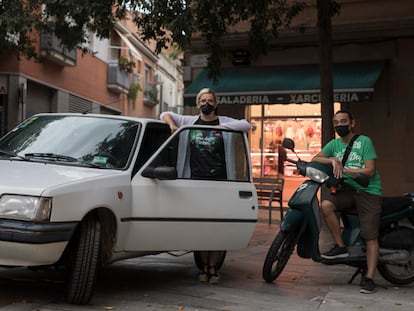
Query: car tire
(84, 262)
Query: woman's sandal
(214, 275)
(203, 275)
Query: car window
(155, 135)
(221, 156)
(74, 140)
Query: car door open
(175, 210)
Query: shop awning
(130, 46)
(353, 82)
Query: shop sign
(247, 99)
(343, 97)
(286, 98)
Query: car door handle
(245, 194)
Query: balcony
(151, 94)
(51, 49)
(118, 79)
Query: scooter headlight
(316, 175)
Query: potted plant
(125, 64)
(134, 89)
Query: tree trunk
(326, 71)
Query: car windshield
(74, 140)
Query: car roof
(103, 116)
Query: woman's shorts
(368, 206)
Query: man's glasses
(203, 101)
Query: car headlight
(23, 207)
(316, 175)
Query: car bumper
(33, 244)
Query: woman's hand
(173, 127)
(170, 121)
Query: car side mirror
(160, 172)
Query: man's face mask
(207, 108)
(342, 130)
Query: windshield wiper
(61, 157)
(13, 155)
(52, 156)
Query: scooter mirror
(361, 179)
(288, 143)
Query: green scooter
(302, 225)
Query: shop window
(272, 123)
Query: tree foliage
(69, 20)
(164, 21)
(211, 20)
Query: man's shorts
(368, 206)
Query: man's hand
(337, 167)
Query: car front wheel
(84, 262)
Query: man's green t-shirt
(362, 150)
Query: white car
(81, 191)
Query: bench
(270, 189)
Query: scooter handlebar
(291, 161)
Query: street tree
(168, 21)
(326, 9)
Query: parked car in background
(80, 191)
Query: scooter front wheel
(279, 254)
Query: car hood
(33, 178)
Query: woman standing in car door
(207, 156)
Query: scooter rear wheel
(398, 274)
(279, 254)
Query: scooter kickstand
(359, 270)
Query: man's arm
(368, 169)
(335, 162)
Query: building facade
(119, 75)
(373, 44)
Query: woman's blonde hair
(205, 91)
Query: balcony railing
(52, 49)
(118, 79)
(151, 94)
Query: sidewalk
(169, 283)
(331, 282)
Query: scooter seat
(392, 204)
(389, 205)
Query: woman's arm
(167, 118)
(234, 124)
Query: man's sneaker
(336, 252)
(368, 286)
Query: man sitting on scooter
(367, 200)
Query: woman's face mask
(207, 108)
